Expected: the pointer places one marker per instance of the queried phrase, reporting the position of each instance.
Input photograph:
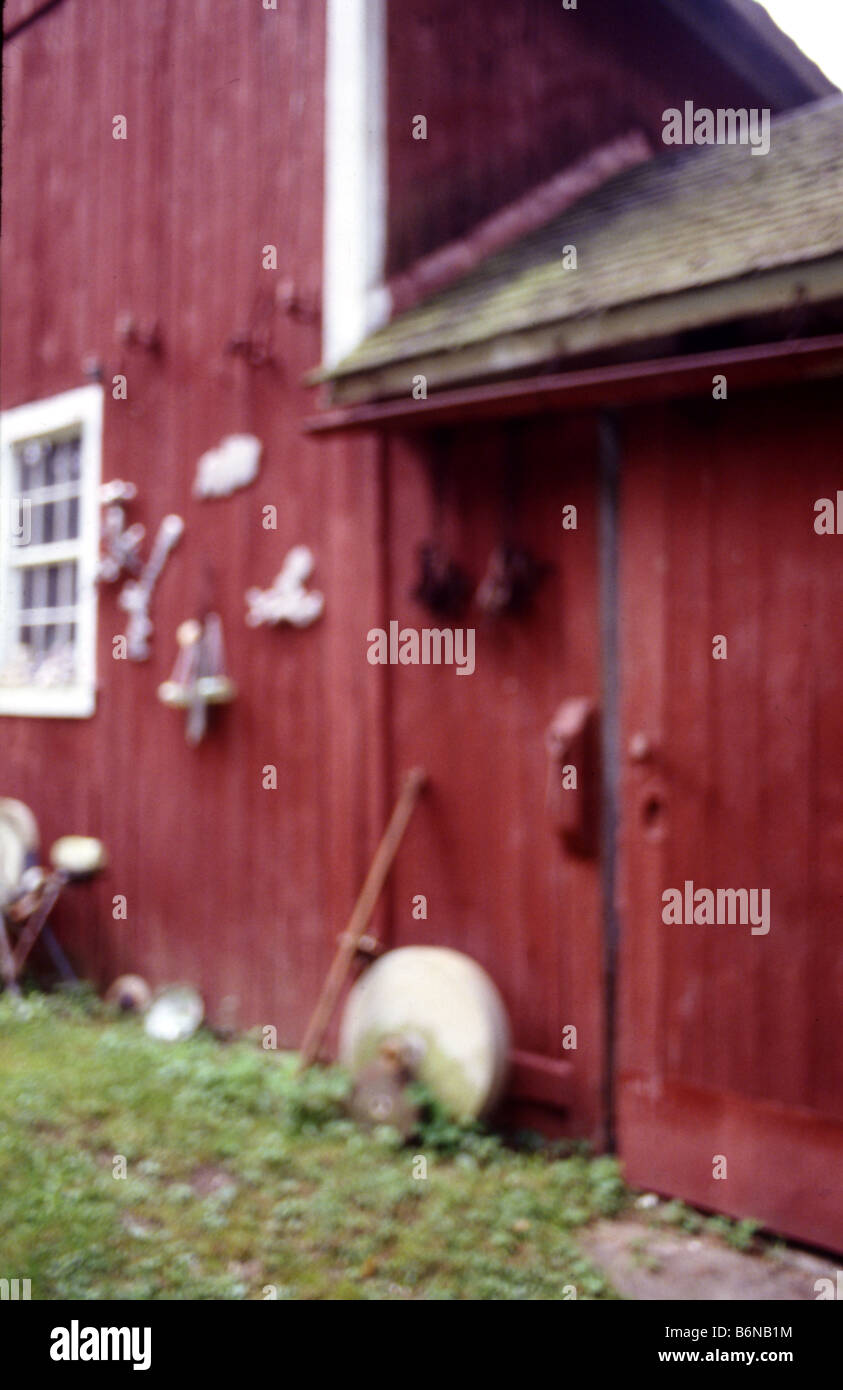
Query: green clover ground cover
(241, 1176)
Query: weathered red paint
(726, 1042)
(499, 881)
(239, 889)
(727, 1039)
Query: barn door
(505, 877)
(729, 1085)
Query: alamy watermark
(82, 1343)
(15, 1290)
(726, 126)
(432, 646)
(721, 907)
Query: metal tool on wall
(199, 678)
(442, 585)
(120, 544)
(572, 743)
(513, 573)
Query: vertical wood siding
(499, 882)
(728, 1040)
(242, 890)
(237, 888)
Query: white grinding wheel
(443, 1002)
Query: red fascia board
(627, 383)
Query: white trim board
(355, 300)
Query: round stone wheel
(451, 1016)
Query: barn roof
(686, 240)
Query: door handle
(573, 781)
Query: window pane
(66, 583)
(30, 466)
(56, 665)
(64, 462)
(47, 586)
(43, 655)
(54, 521)
(42, 524)
(39, 586)
(61, 585)
(43, 462)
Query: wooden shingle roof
(693, 237)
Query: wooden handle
(414, 781)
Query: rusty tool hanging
(442, 585)
(351, 938)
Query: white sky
(817, 27)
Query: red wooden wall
(499, 880)
(238, 888)
(729, 1042)
(242, 889)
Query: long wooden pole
(359, 919)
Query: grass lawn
(240, 1176)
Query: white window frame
(80, 409)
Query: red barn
(580, 396)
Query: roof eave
(618, 327)
(627, 383)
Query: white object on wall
(231, 465)
(198, 678)
(120, 543)
(287, 601)
(135, 597)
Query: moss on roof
(688, 220)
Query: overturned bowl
(175, 1013)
